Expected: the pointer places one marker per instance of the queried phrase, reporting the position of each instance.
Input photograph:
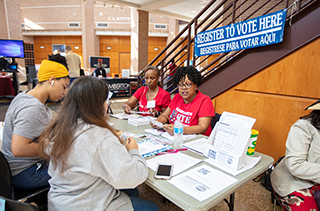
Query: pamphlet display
(227, 144)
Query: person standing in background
(74, 63)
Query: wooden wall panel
(156, 42)
(47, 41)
(118, 45)
(276, 97)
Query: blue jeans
(33, 177)
(140, 204)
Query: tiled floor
(250, 197)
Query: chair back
(12, 205)
(5, 177)
(215, 119)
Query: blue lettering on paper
(256, 32)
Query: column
(139, 40)
(10, 23)
(90, 42)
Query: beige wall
(55, 15)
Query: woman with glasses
(152, 99)
(192, 108)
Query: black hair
(193, 75)
(314, 117)
(153, 68)
(68, 48)
(58, 58)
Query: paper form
(227, 135)
(179, 160)
(202, 182)
(198, 146)
(124, 115)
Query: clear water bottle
(178, 134)
(94, 74)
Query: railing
(214, 15)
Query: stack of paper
(139, 121)
(124, 115)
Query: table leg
(231, 203)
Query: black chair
(39, 195)
(12, 205)
(215, 119)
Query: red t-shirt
(171, 67)
(162, 99)
(189, 114)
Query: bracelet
(124, 105)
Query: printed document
(179, 160)
(198, 146)
(228, 142)
(202, 182)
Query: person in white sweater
(89, 165)
(296, 178)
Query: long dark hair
(314, 118)
(85, 100)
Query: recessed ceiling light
(42, 47)
(108, 47)
(193, 11)
(156, 49)
(76, 47)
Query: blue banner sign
(256, 32)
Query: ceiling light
(42, 47)
(76, 47)
(108, 47)
(193, 11)
(156, 49)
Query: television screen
(11, 48)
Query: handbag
(265, 178)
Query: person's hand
(154, 126)
(126, 108)
(168, 128)
(131, 144)
(154, 112)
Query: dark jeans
(35, 176)
(140, 204)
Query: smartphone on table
(164, 171)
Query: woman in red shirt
(192, 108)
(152, 99)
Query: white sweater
(97, 166)
(300, 168)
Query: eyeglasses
(187, 85)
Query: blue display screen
(11, 48)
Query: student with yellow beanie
(26, 119)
